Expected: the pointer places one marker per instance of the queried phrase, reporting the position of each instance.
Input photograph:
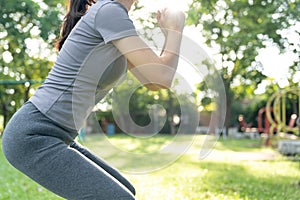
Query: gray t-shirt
(87, 66)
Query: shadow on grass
(190, 178)
(229, 178)
(135, 155)
(248, 180)
(187, 177)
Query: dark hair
(75, 10)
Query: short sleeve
(112, 22)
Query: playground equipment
(277, 105)
(263, 124)
(276, 112)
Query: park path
(223, 155)
(218, 155)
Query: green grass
(16, 186)
(186, 178)
(240, 145)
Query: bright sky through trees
(275, 65)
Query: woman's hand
(155, 71)
(169, 19)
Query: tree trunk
(228, 115)
(5, 115)
(228, 107)
(171, 113)
(26, 97)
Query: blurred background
(254, 45)
(251, 47)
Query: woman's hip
(25, 127)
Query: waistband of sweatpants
(67, 134)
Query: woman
(98, 42)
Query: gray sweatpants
(47, 153)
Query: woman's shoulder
(105, 9)
(109, 6)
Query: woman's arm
(143, 79)
(155, 71)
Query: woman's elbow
(160, 80)
(159, 86)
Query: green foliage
(239, 29)
(27, 32)
(142, 102)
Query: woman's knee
(7, 143)
(14, 149)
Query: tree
(27, 32)
(135, 109)
(138, 110)
(239, 29)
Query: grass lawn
(183, 178)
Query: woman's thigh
(104, 165)
(33, 145)
(65, 171)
